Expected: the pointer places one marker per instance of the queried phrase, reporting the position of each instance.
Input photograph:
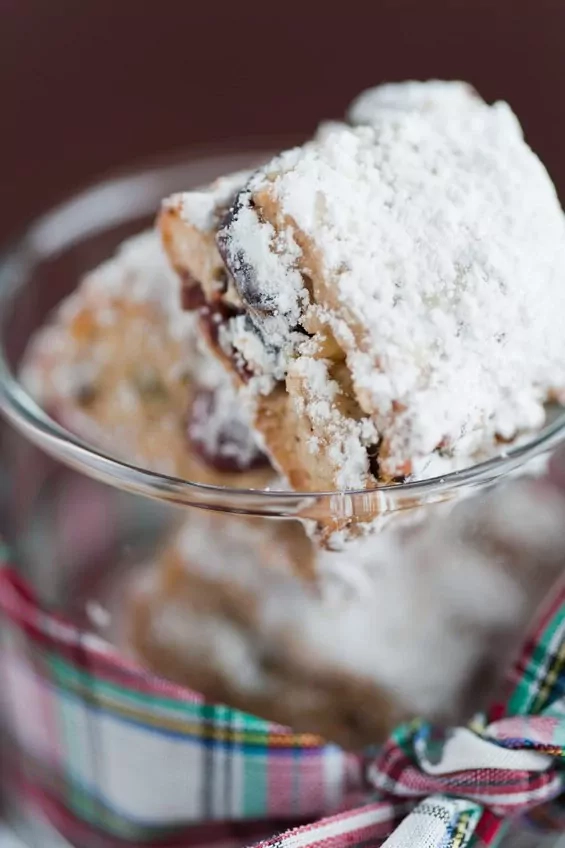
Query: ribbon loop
(507, 781)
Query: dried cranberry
(192, 294)
(212, 317)
(375, 466)
(237, 263)
(224, 442)
(86, 394)
(373, 457)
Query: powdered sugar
(207, 544)
(219, 427)
(342, 439)
(264, 261)
(441, 247)
(217, 546)
(439, 99)
(430, 618)
(140, 272)
(200, 207)
(267, 348)
(458, 581)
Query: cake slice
(348, 644)
(122, 364)
(188, 224)
(391, 292)
(444, 100)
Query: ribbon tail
(443, 822)
(368, 824)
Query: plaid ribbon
(104, 747)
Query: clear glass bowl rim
(129, 195)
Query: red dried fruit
(222, 441)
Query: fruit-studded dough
(391, 292)
(121, 364)
(349, 644)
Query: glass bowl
(84, 529)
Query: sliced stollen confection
(398, 291)
(188, 223)
(123, 365)
(335, 656)
(201, 567)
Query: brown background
(89, 85)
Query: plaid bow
(103, 746)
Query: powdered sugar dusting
(458, 581)
(219, 427)
(345, 440)
(266, 259)
(139, 273)
(439, 99)
(430, 618)
(200, 207)
(207, 544)
(214, 545)
(442, 253)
